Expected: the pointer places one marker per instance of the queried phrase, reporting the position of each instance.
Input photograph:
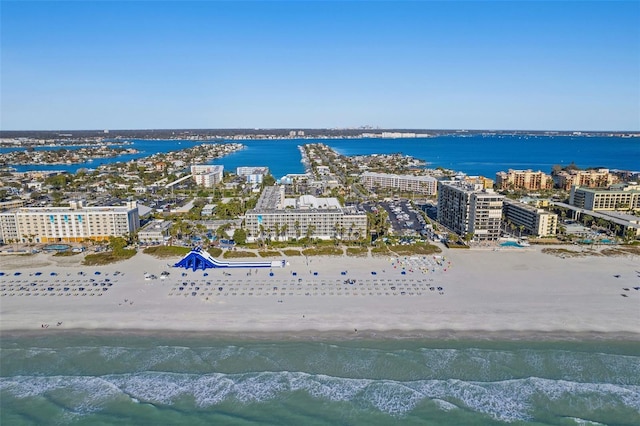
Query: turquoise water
(510, 244)
(84, 379)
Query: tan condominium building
(426, 185)
(207, 175)
(75, 223)
(154, 232)
(616, 197)
(523, 179)
(467, 208)
(596, 178)
(534, 221)
(278, 218)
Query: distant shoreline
(216, 135)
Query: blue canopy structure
(198, 259)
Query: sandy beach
(517, 291)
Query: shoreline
(310, 335)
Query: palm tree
(296, 225)
(310, 230)
(629, 234)
(561, 229)
(261, 227)
(356, 234)
(617, 228)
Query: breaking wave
(507, 400)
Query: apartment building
(154, 232)
(426, 185)
(536, 221)
(616, 197)
(523, 179)
(596, 178)
(68, 224)
(207, 175)
(468, 208)
(279, 218)
(252, 174)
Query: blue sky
(536, 65)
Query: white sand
(483, 290)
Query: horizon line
(364, 129)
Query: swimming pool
(57, 247)
(510, 244)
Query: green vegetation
(357, 251)
(562, 252)
(117, 253)
(323, 251)
(107, 258)
(215, 251)
(291, 252)
(65, 253)
(415, 249)
(238, 254)
(166, 251)
(240, 236)
(626, 250)
(269, 253)
(380, 251)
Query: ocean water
(474, 155)
(110, 379)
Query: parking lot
(405, 220)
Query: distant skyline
(538, 65)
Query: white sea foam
(508, 400)
(585, 422)
(82, 395)
(445, 405)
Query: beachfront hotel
(426, 185)
(535, 221)
(72, 224)
(616, 197)
(596, 178)
(468, 208)
(207, 175)
(523, 179)
(280, 218)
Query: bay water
(474, 155)
(84, 378)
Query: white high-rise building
(467, 208)
(68, 224)
(207, 175)
(252, 174)
(279, 218)
(408, 183)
